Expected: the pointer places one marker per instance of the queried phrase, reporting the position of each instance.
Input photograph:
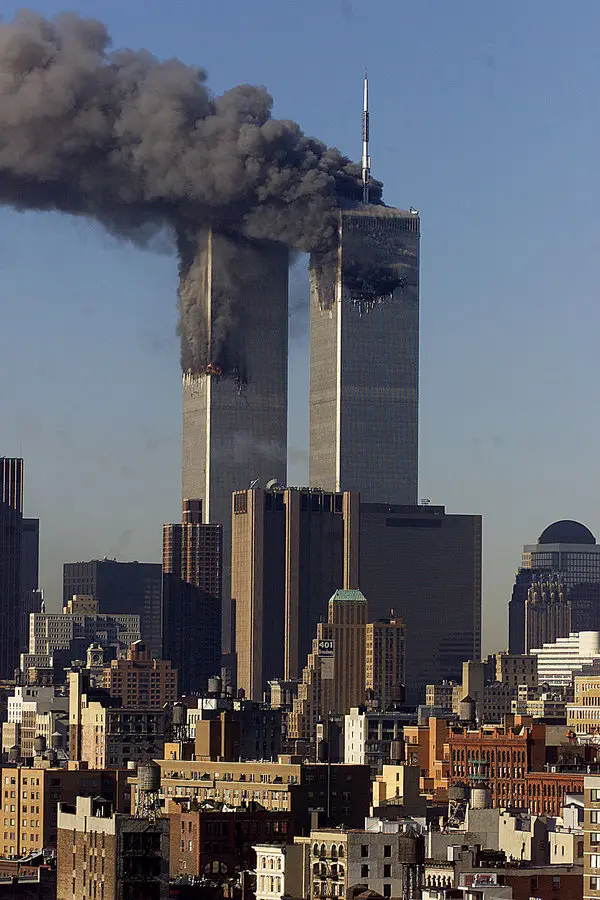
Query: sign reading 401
(326, 648)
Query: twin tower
(364, 360)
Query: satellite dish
(273, 485)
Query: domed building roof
(566, 532)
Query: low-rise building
(440, 695)
(103, 734)
(583, 714)
(216, 839)
(397, 793)
(498, 756)
(338, 792)
(256, 728)
(385, 857)
(545, 792)
(110, 856)
(540, 705)
(32, 711)
(30, 796)
(374, 738)
(425, 746)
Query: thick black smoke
(140, 144)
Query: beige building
(107, 736)
(140, 681)
(583, 715)
(399, 786)
(517, 669)
(286, 785)
(382, 856)
(281, 870)
(30, 795)
(440, 694)
(291, 548)
(591, 837)
(349, 658)
(79, 621)
(32, 711)
(385, 673)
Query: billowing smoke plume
(141, 145)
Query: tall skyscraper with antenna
(11, 539)
(364, 352)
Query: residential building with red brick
(140, 681)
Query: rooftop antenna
(366, 159)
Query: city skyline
(481, 450)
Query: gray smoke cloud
(141, 144)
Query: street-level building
(338, 791)
(109, 856)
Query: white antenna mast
(366, 159)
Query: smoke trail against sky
(139, 144)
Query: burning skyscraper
(364, 358)
(364, 350)
(235, 399)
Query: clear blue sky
(486, 118)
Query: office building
(11, 539)
(139, 680)
(192, 592)
(291, 548)
(110, 855)
(385, 662)
(68, 635)
(131, 588)
(31, 596)
(524, 580)
(548, 611)
(559, 661)
(364, 358)
(558, 588)
(425, 564)
(350, 659)
(235, 410)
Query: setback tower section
(364, 357)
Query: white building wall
(557, 662)
(355, 737)
(270, 872)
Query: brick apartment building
(30, 797)
(140, 681)
(545, 791)
(110, 856)
(499, 757)
(206, 840)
